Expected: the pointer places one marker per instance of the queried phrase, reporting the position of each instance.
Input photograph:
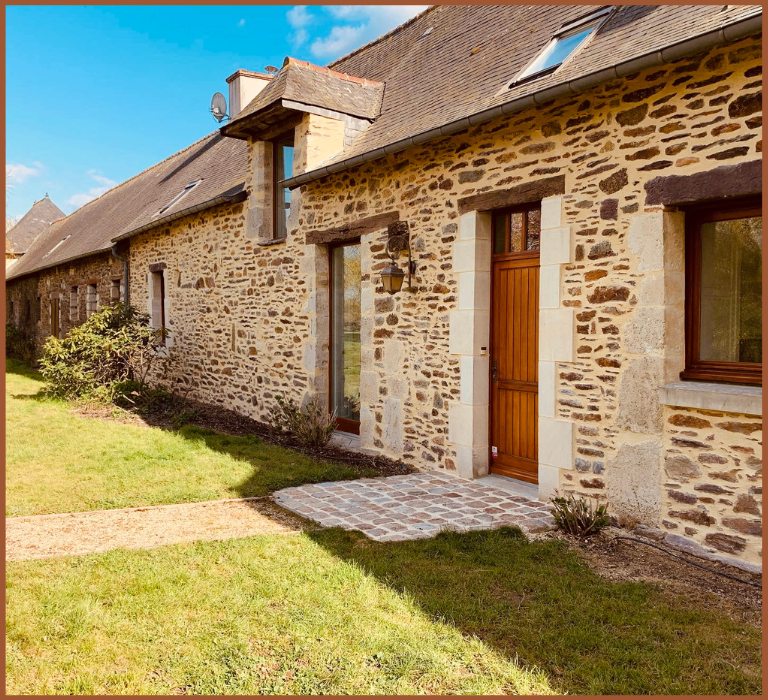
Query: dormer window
(187, 189)
(283, 169)
(562, 46)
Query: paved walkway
(414, 506)
(38, 536)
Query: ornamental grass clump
(311, 426)
(108, 356)
(578, 516)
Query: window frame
(506, 212)
(695, 368)
(278, 191)
(593, 19)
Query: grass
(58, 461)
(325, 611)
(332, 612)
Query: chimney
(244, 85)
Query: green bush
(108, 356)
(312, 426)
(579, 517)
(18, 344)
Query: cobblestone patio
(413, 506)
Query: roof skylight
(187, 189)
(563, 45)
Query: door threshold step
(510, 485)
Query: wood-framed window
(345, 322)
(157, 299)
(282, 159)
(116, 293)
(516, 230)
(723, 309)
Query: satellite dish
(219, 107)
(270, 69)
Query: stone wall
(713, 480)
(57, 282)
(249, 316)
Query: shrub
(313, 426)
(109, 355)
(18, 344)
(579, 517)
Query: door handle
(494, 371)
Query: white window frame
(593, 20)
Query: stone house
(524, 240)
(37, 220)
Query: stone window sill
(271, 241)
(729, 398)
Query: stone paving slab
(414, 506)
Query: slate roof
(31, 225)
(220, 162)
(448, 63)
(463, 65)
(306, 83)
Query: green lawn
(324, 611)
(331, 612)
(58, 461)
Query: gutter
(240, 196)
(126, 273)
(683, 49)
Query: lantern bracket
(398, 245)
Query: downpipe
(126, 274)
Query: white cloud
(77, 200)
(341, 40)
(298, 16)
(18, 172)
(353, 26)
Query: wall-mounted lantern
(392, 277)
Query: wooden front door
(515, 343)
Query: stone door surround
(470, 332)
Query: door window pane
(345, 332)
(499, 233)
(731, 324)
(534, 229)
(516, 231)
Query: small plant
(578, 516)
(312, 426)
(109, 355)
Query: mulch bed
(223, 420)
(622, 560)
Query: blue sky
(96, 94)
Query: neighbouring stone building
(37, 220)
(579, 190)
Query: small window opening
(116, 293)
(11, 313)
(187, 189)
(157, 280)
(563, 45)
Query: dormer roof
(300, 86)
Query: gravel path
(39, 536)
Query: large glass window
(283, 158)
(724, 323)
(345, 336)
